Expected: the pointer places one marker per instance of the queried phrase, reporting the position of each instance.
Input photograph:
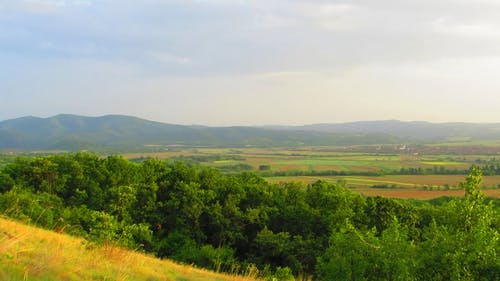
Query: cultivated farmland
(396, 172)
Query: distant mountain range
(72, 132)
(415, 130)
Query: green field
(366, 171)
(360, 166)
(399, 181)
(402, 186)
(316, 159)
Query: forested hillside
(416, 130)
(125, 133)
(230, 223)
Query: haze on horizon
(237, 62)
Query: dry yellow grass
(29, 253)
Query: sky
(238, 62)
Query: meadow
(30, 253)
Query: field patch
(316, 158)
(441, 163)
(401, 186)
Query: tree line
(402, 171)
(229, 223)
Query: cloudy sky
(238, 62)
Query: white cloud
(167, 57)
(329, 60)
(60, 3)
(42, 6)
(221, 2)
(286, 74)
(303, 13)
(478, 29)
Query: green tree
(121, 199)
(350, 255)
(6, 182)
(466, 247)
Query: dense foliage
(232, 222)
(403, 171)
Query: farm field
(420, 193)
(316, 158)
(403, 186)
(362, 167)
(399, 181)
(287, 164)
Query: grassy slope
(29, 253)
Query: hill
(415, 130)
(119, 132)
(29, 253)
(71, 132)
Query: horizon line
(254, 125)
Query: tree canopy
(229, 223)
